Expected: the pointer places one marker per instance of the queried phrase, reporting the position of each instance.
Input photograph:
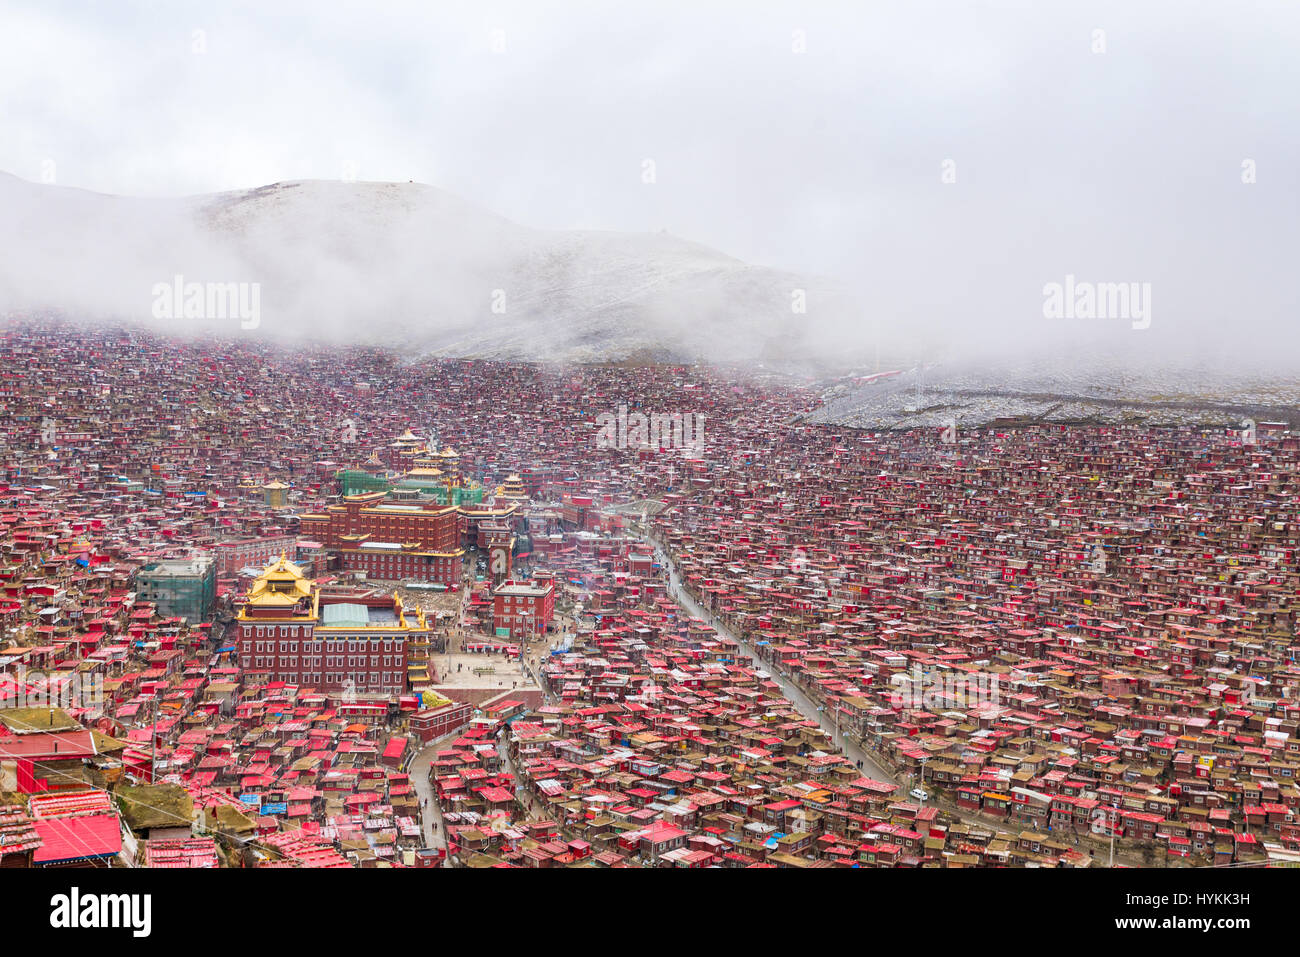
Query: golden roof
(271, 598)
(282, 583)
(282, 570)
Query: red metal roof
(48, 745)
(77, 838)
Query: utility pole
(1112, 840)
(153, 742)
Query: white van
(919, 794)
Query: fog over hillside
(410, 266)
(924, 170)
(416, 268)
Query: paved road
(807, 707)
(435, 831)
(522, 796)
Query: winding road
(810, 710)
(806, 706)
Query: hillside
(408, 265)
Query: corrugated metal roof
(49, 746)
(345, 615)
(57, 804)
(75, 838)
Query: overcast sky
(807, 135)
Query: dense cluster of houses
(1048, 641)
(1074, 630)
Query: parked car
(919, 794)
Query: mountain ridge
(410, 266)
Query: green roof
(345, 615)
(146, 806)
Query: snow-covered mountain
(1086, 384)
(407, 264)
